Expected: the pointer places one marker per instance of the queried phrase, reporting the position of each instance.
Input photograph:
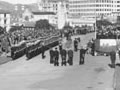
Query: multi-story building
(59, 7)
(5, 19)
(81, 9)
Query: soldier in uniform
(56, 56)
(63, 54)
(43, 51)
(70, 57)
(75, 44)
(82, 55)
(51, 56)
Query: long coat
(113, 55)
(70, 53)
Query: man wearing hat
(56, 55)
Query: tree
(26, 18)
(42, 24)
(101, 23)
(1, 30)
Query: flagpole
(95, 20)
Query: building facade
(59, 7)
(50, 16)
(80, 9)
(5, 19)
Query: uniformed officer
(82, 55)
(70, 57)
(51, 56)
(56, 55)
(63, 54)
(75, 44)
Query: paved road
(38, 74)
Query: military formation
(67, 54)
(56, 53)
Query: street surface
(38, 74)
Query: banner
(106, 45)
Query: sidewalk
(117, 75)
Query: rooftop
(43, 13)
(55, 0)
(4, 11)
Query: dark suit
(70, 57)
(56, 54)
(51, 56)
(63, 56)
(113, 58)
(75, 45)
(82, 55)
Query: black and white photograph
(59, 44)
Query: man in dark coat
(43, 50)
(113, 58)
(63, 54)
(82, 55)
(93, 48)
(60, 47)
(51, 56)
(70, 57)
(56, 55)
(75, 45)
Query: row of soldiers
(54, 56)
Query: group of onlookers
(19, 35)
(108, 33)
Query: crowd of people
(108, 32)
(19, 35)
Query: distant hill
(6, 6)
(11, 7)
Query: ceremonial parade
(59, 45)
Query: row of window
(91, 1)
(88, 10)
(89, 14)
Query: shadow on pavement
(111, 66)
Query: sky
(20, 1)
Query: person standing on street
(60, 46)
(70, 57)
(82, 55)
(43, 51)
(113, 58)
(56, 55)
(63, 54)
(75, 45)
(119, 53)
(51, 56)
